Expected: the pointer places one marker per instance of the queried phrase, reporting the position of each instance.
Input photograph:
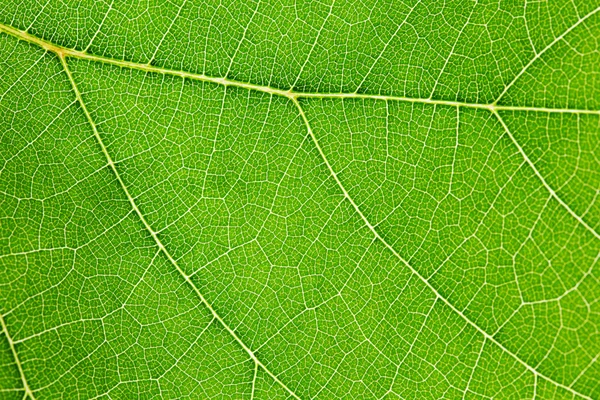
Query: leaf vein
(154, 235)
(11, 343)
(413, 270)
(541, 178)
(290, 93)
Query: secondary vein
(154, 235)
(486, 335)
(11, 344)
(541, 178)
(63, 52)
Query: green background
(339, 200)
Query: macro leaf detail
(260, 200)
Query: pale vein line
(293, 96)
(100, 26)
(155, 236)
(28, 391)
(237, 49)
(290, 94)
(586, 368)
(410, 349)
(527, 27)
(385, 46)
(474, 368)
(167, 31)
(538, 55)
(437, 81)
(541, 178)
(313, 46)
(254, 381)
(414, 271)
(18, 80)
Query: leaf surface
(300, 200)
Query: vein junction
(294, 96)
(291, 94)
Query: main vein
(63, 52)
(154, 235)
(370, 226)
(291, 94)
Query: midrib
(63, 52)
(290, 94)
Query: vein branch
(544, 50)
(289, 93)
(541, 178)
(370, 226)
(63, 52)
(11, 344)
(154, 235)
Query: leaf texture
(261, 200)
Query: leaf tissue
(299, 199)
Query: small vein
(167, 31)
(475, 367)
(313, 46)
(538, 55)
(294, 96)
(11, 343)
(237, 49)
(254, 376)
(443, 69)
(541, 178)
(110, 7)
(154, 235)
(385, 46)
(486, 335)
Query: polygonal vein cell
(237, 191)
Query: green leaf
(300, 200)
